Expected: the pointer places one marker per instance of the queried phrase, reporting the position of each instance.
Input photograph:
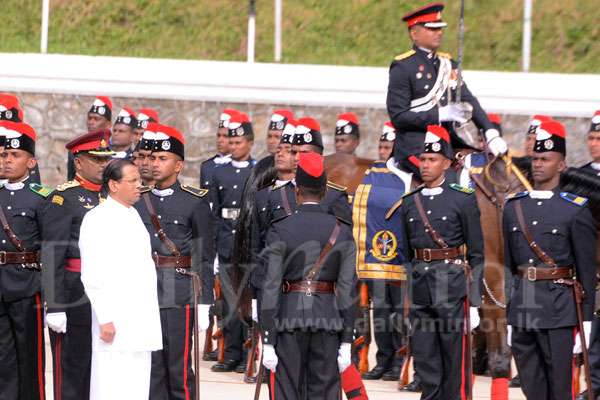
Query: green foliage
(566, 35)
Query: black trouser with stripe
(233, 328)
(307, 366)
(22, 349)
(387, 300)
(438, 344)
(172, 376)
(72, 351)
(544, 359)
(594, 350)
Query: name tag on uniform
(230, 213)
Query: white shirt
(119, 277)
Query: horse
(493, 182)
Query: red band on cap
(554, 128)
(310, 123)
(349, 117)
(311, 163)
(19, 127)
(439, 131)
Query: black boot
(226, 366)
(392, 374)
(374, 374)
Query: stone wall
(58, 118)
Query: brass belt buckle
(308, 289)
(531, 274)
(427, 255)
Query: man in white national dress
(119, 277)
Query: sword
(461, 45)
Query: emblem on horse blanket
(379, 241)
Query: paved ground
(229, 386)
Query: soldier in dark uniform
(308, 310)
(227, 187)
(347, 133)
(11, 110)
(440, 219)
(21, 306)
(278, 200)
(223, 156)
(550, 244)
(418, 88)
(593, 143)
(99, 118)
(68, 308)
(186, 247)
(277, 124)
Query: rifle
(208, 338)
(218, 311)
(405, 351)
(362, 342)
(251, 345)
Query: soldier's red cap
(10, 108)
(311, 171)
(95, 143)
(239, 125)
(279, 119)
(145, 116)
(148, 114)
(347, 124)
(102, 105)
(19, 136)
(437, 141)
(127, 117)
(429, 16)
(551, 136)
(310, 123)
(167, 138)
(226, 116)
(536, 121)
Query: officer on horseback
(423, 85)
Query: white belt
(230, 213)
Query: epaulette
(42, 190)
(145, 189)
(336, 186)
(573, 198)
(397, 205)
(444, 55)
(517, 195)
(404, 55)
(461, 189)
(194, 190)
(67, 185)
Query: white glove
(474, 317)
(454, 112)
(344, 356)
(254, 310)
(57, 322)
(509, 335)
(587, 331)
(496, 143)
(216, 265)
(203, 316)
(270, 359)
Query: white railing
(566, 95)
